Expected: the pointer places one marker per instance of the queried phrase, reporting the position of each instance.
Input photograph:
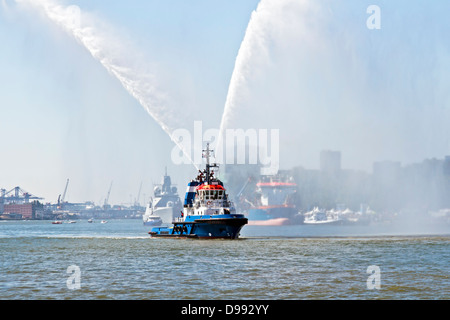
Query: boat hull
(270, 222)
(323, 222)
(153, 223)
(206, 227)
(167, 214)
(273, 216)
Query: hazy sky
(309, 68)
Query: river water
(118, 260)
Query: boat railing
(219, 203)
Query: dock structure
(17, 204)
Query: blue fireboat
(207, 211)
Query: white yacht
(320, 216)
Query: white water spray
(314, 70)
(127, 67)
(254, 52)
(241, 70)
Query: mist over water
(315, 71)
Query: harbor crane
(61, 199)
(105, 205)
(19, 196)
(136, 203)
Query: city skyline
(386, 168)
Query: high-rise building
(330, 161)
(447, 165)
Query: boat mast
(207, 154)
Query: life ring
(208, 203)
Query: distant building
(19, 211)
(330, 161)
(447, 165)
(386, 170)
(15, 204)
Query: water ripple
(135, 267)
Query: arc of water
(138, 84)
(251, 41)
